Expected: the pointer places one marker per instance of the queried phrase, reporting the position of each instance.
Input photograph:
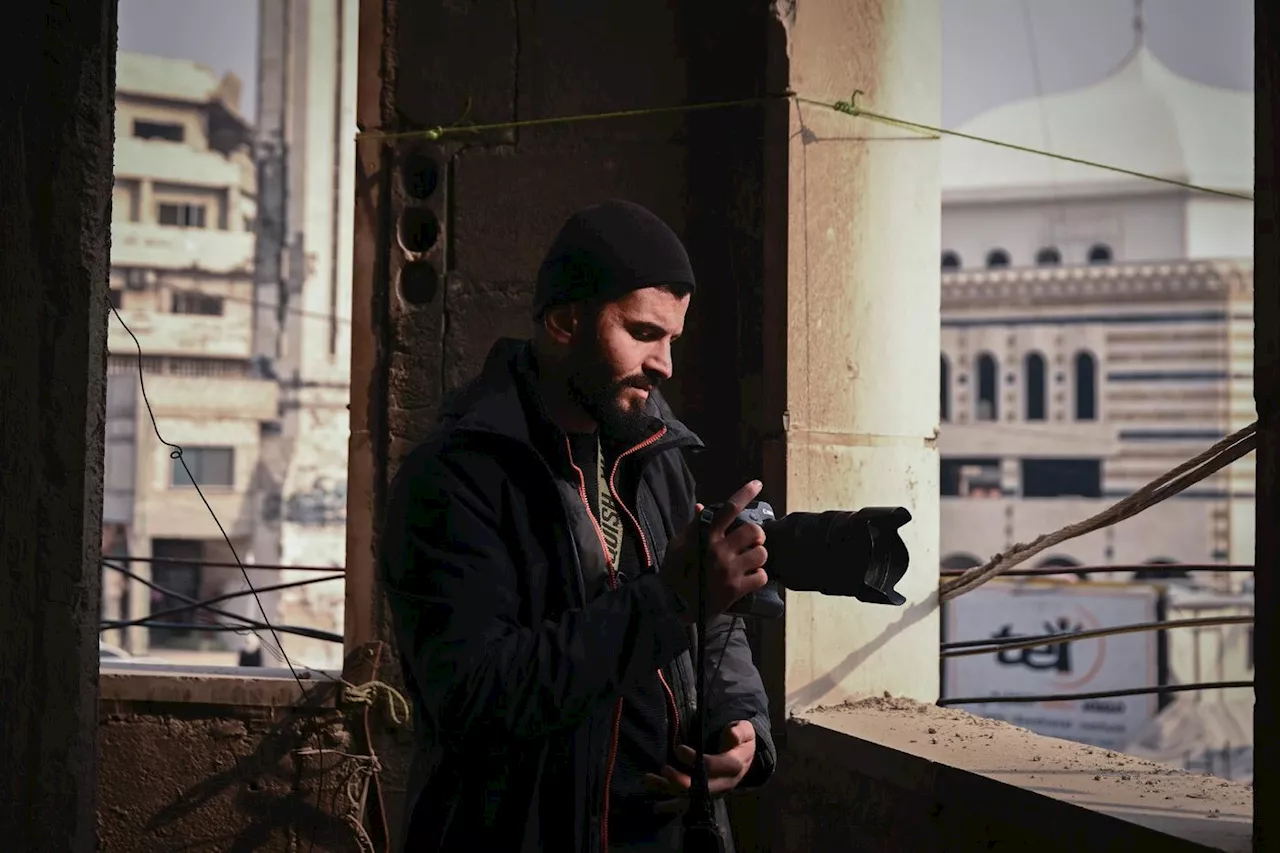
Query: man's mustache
(640, 382)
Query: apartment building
(182, 272)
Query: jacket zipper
(613, 584)
(617, 710)
(648, 556)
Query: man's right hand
(734, 560)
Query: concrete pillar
(313, 48)
(1266, 379)
(232, 218)
(146, 449)
(855, 369)
(55, 201)
(146, 202)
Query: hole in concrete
(419, 282)
(420, 175)
(419, 229)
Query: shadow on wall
(809, 695)
(229, 781)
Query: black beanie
(607, 250)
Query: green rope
(440, 131)
(849, 108)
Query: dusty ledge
(961, 755)
(253, 687)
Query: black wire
(175, 452)
(977, 647)
(206, 603)
(700, 802)
(1101, 694)
(216, 627)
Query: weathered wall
(469, 217)
(194, 776)
(1266, 379)
(55, 201)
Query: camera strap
(610, 521)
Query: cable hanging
(175, 453)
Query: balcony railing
(184, 613)
(139, 245)
(991, 645)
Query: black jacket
(515, 673)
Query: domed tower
(1097, 324)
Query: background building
(182, 261)
(1097, 327)
(1097, 331)
(232, 263)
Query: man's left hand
(724, 770)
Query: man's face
(622, 354)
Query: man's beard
(594, 389)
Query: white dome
(1142, 117)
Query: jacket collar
(503, 401)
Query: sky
(993, 51)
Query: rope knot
(367, 694)
(849, 107)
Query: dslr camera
(853, 554)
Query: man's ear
(561, 323)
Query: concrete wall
(55, 203)
(195, 765)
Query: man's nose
(659, 361)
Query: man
(541, 559)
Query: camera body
(856, 554)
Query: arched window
(997, 258)
(988, 393)
(1086, 369)
(950, 260)
(944, 402)
(1063, 563)
(1100, 253)
(1034, 375)
(1048, 257)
